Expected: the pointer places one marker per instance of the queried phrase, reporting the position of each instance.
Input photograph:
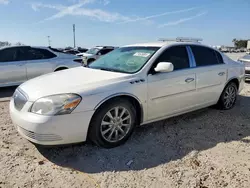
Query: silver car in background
(21, 63)
(246, 60)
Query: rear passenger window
(219, 57)
(8, 55)
(177, 55)
(34, 54)
(206, 56)
(42, 53)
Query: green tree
(240, 43)
(4, 43)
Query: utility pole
(49, 40)
(74, 34)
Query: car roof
(164, 43)
(5, 47)
(104, 47)
(21, 46)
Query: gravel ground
(205, 148)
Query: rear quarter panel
(235, 70)
(63, 63)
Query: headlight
(56, 104)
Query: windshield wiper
(109, 69)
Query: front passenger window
(176, 55)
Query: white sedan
(133, 85)
(21, 63)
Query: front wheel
(228, 97)
(113, 123)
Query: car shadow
(7, 91)
(160, 142)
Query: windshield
(126, 59)
(93, 51)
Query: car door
(173, 92)
(38, 61)
(211, 74)
(12, 71)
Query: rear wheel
(113, 123)
(228, 97)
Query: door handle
(188, 80)
(221, 73)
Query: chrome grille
(19, 99)
(39, 137)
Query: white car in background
(94, 53)
(246, 61)
(21, 63)
(133, 85)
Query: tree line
(239, 43)
(6, 43)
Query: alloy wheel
(229, 96)
(116, 124)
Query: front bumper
(51, 130)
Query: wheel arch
(60, 68)
(235, 80)
(130, 97)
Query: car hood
(80, 80)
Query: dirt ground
(206, 148)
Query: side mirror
(164, 67)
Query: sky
(122, 22)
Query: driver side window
(177, 55)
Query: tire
(228, 97)
(109, 133)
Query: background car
(94, 53)
(246, 60)
(71, 51)
(82, 49)
(75, 51)
(21, 63)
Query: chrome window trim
(191, 57)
